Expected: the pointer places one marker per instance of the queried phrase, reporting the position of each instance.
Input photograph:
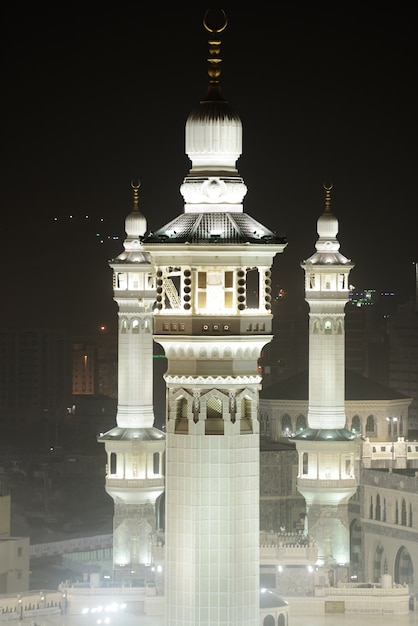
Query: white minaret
(327, 450)
(213, 318)
(135, 449)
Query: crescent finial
(214, 69)
(215, 30)
(328, 195)
(135, 187)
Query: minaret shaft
(212, 433)
(134, 448)
(328, 453)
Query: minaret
(327, 450)
(135, 449)
(213, 318)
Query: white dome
(135, 225)
(213, 136)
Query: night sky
(325, 91)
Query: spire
(136, 195)
(328, 197)
(214, 60)
(213, 142)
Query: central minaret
(327, 450)
(213, 318)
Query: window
(113, 463)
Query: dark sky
(325, 91)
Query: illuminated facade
(213, 317)
(135, 449)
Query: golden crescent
(137, 186)
(329, 187)
(215, 30)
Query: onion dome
(213, 142)
(135, 222)
(327, 245)
(135, 229)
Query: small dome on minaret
(327, 223)
(213, 129)
(135, 223)
(327, 245)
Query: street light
(392, 421)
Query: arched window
(286, 425)
(113, 463)
(410, 516)
(214, 424)
(356, 424)
(300, 423)
(403, 512)
(328, 326)
(246, 425)
(135, 326)
(182, 423)
(371, 508)
(404, 568)
(305, 464)
(377, 509)
(396, 512)
(156, 463)
(384, 510)
(370, 426)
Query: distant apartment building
(403, 356)
(35, 376)
(94, 370)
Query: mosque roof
(214, 228)
(357, 388)
(325, 434)
(130, 434)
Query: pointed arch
(286, 425)
(370, 426)
(214, 423)
(356, 424)
(403, 513)
(404, 569)
(300, 422)
(377, 512)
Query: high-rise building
(35, 381)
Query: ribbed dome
(213, 135)
(327, 226)
(135, 225)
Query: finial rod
(135, 187)
(328, 196)
(214, 60)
